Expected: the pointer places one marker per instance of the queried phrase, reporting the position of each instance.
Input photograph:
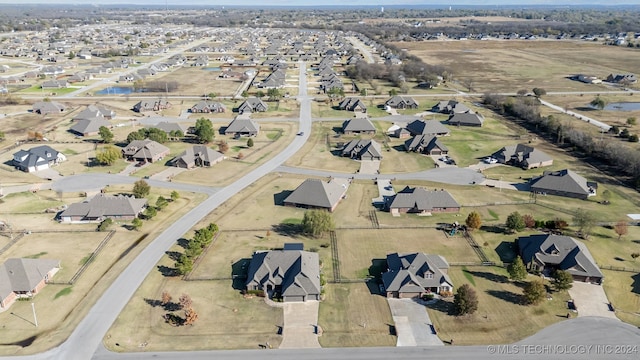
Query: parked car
(300, 133)
(491, 160)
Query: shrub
(105, 224)
(427, 297)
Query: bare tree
(185, 301)
(190, 316)
(621, 228)
(166, 297)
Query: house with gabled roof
(86, 127)
(401, 102)
(547, 252)
(359, 125)
(154, 105)
(291, 273)
(622, 78)
(450, 107)
(145, 151)
(24, 278)
(37, 158)
(523, 156)
(318, 194)
(362, 149)
(197, 156)
(48, 107)
(421, 201)
(426, 144)
(466, 119)
(428, 127)
(411, 275)
(205, 106)
(352, 104)
(563, 183)
(251, 105)
(101, 207)
(242, 127)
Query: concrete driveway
(591, 300)
(369, 167)
(300, 325)
(413, 325)
(48, 174)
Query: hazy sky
(328, 2)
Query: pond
(215, 68)
(623, 106)
(118, 90)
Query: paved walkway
(591, 300)
(413, 325)
(300, 325)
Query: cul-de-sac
(307, 182)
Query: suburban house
(622, 78)
(102, 207)
(466, 119)
(208, 107)
(24, 278)
(415, 274)
(450, 107)
(252, 105)
(429, 127)
(197, 156)
(421, 201)
(360, 125)
(37, 158)
(523, 156)
(588, 79)
(362, 150)
(401, 102)
(291, 273)
(563, 183)
(352, 104)
(318, 194)
(54, 84)
(87, 127)
(94, 112)
(242, 127)
(147, 105)
(145, 151)
(426, 144)
(170, 127)
(48, 107)
(547, 252)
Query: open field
(350, 315)
(623, 291)
(361, 251)
(507, 66)
(61, 307)
(500, 318)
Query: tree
(473, 221)
(141, 189)
(393, 92)
(522, 92)
(274, 94)
(175, 195)
(515, 222)
(250, 143)
(105, 224)
(465, 300)
(516, 270)
(161, 203)
(317, 222)
(562, 280)
(185, 301)
(212, 95)
(108, 155)
(635, 255)
(190, 316)
(259, 94)
(624, 133)
(105, 134)
(223, 146)
(72, 55)
(598, 102)
(204, 130)
(2, 135)
(335, 92)
(539, 92)
(632, 121)
(633, 138)
(150, 212)
(184, 264)
(621, 228)
(136, 224)
(585, 221)
(244, 94)
(165, 297)
(534, 292)
(529, 221)
(240, 156)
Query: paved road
(364, 50)
(587, 119)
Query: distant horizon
(333, 3)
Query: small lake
(623, 106)
(118, 90)
(215, 68)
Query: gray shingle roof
(422, 200)
(146, 149)
(23, 275)
(362, 149)
(424, 144)
(468, 119)
(563, 252)
(415, 272)
(317, 193)
(565, 181)
(103, 205)
(239, 125)
(358, 125)
(521, 154)
(298, 272)
(85, 126)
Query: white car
(491, 160)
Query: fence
(619, 268)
